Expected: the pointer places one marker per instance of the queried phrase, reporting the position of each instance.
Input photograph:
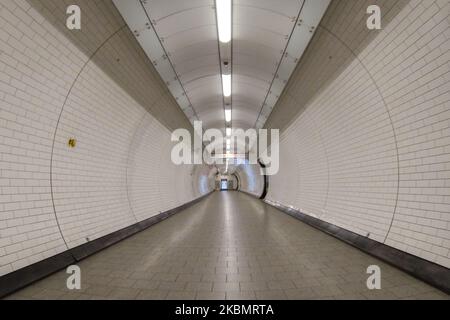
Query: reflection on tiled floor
(230, 246)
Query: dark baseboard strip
(23, 277)
(429, 272)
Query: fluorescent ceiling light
(228, 142)
(228, 115)
(223, 9)
(226, 81)
(228, 132)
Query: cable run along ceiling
(181, 39)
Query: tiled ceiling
(188, 59)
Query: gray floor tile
(241, 250)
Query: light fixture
(228, 132)
(223, 9)
(226, 81)
(228, 115)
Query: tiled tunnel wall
(97, 86)
(368, 148)
(250, 179)
(365, 119)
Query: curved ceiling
(258, 47)
(189, 56)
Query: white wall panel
(250, 179)
(120, 170)
(89, 181)
(369, 149)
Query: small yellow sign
(72, 143)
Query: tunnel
(224, 150)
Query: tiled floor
(230, 246)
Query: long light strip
(228, 132)
(226, 81)
(223, 9)
(228, 115)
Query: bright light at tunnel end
(223, 9)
